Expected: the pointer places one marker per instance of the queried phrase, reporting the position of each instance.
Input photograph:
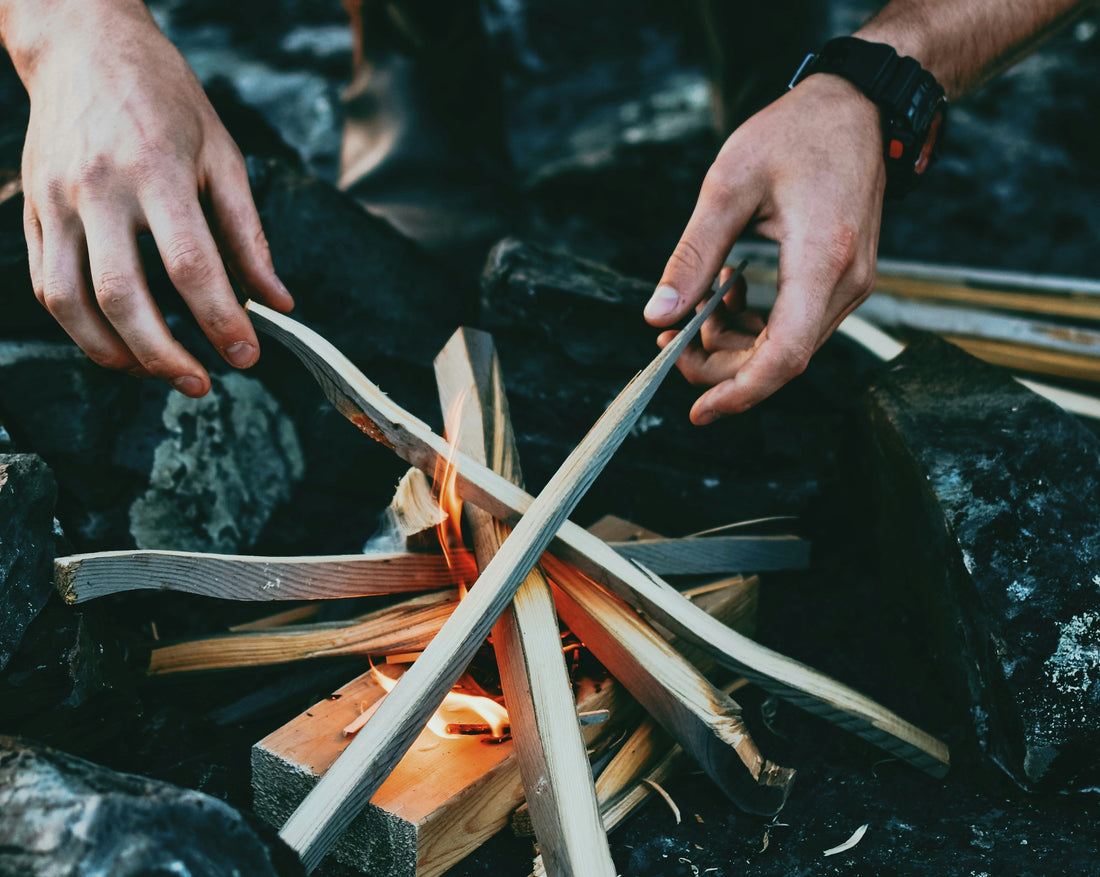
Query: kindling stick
(403, 713)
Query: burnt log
(988, 504)
(61, 816)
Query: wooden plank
(377, 415)
(81, 577)
(343, 791)
(884, 346)
(1022, 357)
(406, 626)
(708, 555)
(435, 808)
(410, 520)
(966, 322)
(557, 777)
(705, 723)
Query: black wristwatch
(913, 104)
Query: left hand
(808, 172)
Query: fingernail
(664, 302)
(240, 354)
(189, 386)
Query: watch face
(929, 147)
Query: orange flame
(444, 481)
(457, 709)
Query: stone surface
(226, 461)
(990, 511)
(141, 466)
(27, 496)
(61, 816)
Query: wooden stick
(404, 627)
(1023, 357)
(81, 577)
(717, 554)
(885, 347)
(345, 789)
(705, 723)
(377, 415)
(278, 619)
(557, 777)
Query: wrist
(33, 31)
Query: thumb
(721, 213)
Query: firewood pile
(430, 808)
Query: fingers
(723, 210)
(811, 270)
(240, 235)
(195, 268)
(125, 301)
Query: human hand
(808, 172)
(122, 140)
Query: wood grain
(346, 789)
(557, 777)
(709, 555)
(81, 577)
(705, 723)
(404, 627)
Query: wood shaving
(856, 837)
(668, 798)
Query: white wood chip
(856, 837)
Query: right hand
(122, 140)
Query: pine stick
(345, 789)
(81, 577)
(365, 405)
(706, 723)
(557, 777)
(404, 627)
(884, 346)
(717, 554)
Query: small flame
(457, 710)
(445, 481)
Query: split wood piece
(557, 776)
(732, 601)
(1050, 295)
(404, 627)
(1024, 357)
(377, 415)
(706, 723)
(702, 555)
(81, 577)
(443, 800)
(410, 520)
(278, 619)
(885, 346)
(706, 555)
(363, 767)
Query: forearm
(965, 42)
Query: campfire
(410, 766)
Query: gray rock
(226, 461)
(61, 816)
(27, 497)
(990, 513)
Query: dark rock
(61, 816)
(990, 502)
(28, 493)
(67, 658)
(141, 466)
